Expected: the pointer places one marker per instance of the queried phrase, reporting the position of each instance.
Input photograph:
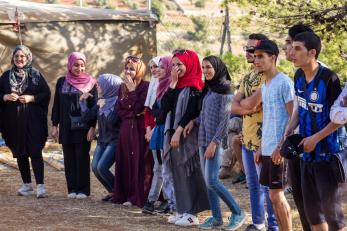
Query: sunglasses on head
(179, 51)
(249, 49)
(133, 58)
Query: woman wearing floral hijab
(74, 134)
(189, 185)
(24, 98)
(108, 124)
(129, 187)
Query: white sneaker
(40, 191)
(81, 196)
(72, 195)
(25, 190)
(187, 220)
(173, 218)
(128, 203)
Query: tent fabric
(39, 12)
(106, 38)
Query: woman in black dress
(74, 133)
(24, 98)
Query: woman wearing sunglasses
(189, 185)
(130, 167)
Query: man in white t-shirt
(276, 95)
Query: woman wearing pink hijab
(73, 133)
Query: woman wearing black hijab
(213, 120)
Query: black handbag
(77, 122)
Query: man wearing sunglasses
(251, 130)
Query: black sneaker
(107, 198)
(240, 179)
(163, 208)
(253, 228)
(148, 208)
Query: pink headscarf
(83, 82)
(164, 82)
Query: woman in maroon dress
(129, 186)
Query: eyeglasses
(133, 58)
(249, 49)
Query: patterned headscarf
(193, 75)
(164, 82)
(83, 82)
(110, 85)
(19, 77)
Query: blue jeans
(103, 159)
(215, 188)
(157, 180)
(257, 192)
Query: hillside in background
(198, 25)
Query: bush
(101, 2)
(158, 8)
(200, 28)
(200, 3)
(237, 66)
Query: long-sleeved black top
(24, 125)
(66, 104)
(169, 102)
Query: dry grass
(57, 212)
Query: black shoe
(148, 208)
(107, 198)
(163, 208)
(253, 228)
(240, 179)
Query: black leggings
(24, 168)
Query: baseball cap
(267, 46)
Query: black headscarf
(221, 81)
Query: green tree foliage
(328, 18)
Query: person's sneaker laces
(211, 223)
(81, 196)
(25, 190)
(252, 227)
(235, 221)
(173, 218)
(72, 195)
(40, 191)
(187, 220)
(148, 208)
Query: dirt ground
(57, 212)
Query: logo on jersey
(314, 96)
(315, 107)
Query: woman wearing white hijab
(151, 96)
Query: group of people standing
(165, 136)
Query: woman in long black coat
(24, 98)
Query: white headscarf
(153, 85)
